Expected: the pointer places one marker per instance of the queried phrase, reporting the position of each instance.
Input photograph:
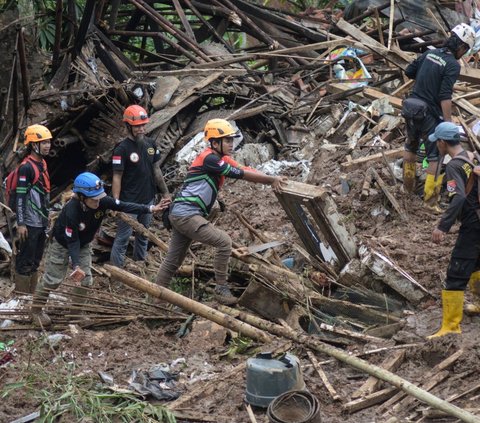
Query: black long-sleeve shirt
(77, 224)
(435, 72)
(462, 205)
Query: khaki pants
(195, 228)
(56, 265)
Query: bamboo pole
(357, 363)
(138, 227)
(188, 304)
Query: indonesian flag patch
(451, 186)
(117, 160)
(22, 178)
(68, 231)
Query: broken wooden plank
(393, 276)
(296, 199)
(407, 403)
(191, 89)
(194, 72)
(317, 366)
(371, 385)
(381, 183)
(355, 164)
(443, 365)
(370, 400)
(374, 94)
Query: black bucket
(294, 407)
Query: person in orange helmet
(193, 204)
(32, 195)
(136, 176)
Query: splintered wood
(314, 215)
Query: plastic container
(267, 378)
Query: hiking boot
(40, 318)
(224, 296)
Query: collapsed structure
(308, 85)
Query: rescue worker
(32, 199)
(192, 205)
(136, 176)
(463, 193)
(72, 233)
(435, 72)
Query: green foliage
(181, 285)
(81, 398)
(238, 345)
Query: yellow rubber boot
(431, 193)
(409, 172)
(452, 303)
(474, 285)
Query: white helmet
(465, 33)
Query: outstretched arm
(277, 182)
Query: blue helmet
(89, 185)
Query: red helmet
(135, 115)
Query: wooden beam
(371, 385)
(357, 163)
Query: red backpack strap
(36, 170)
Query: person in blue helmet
(72, 233)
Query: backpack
(472, 178)
(11, 181)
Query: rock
(254, 154)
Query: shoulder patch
(451, 186)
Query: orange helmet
(37, 133)
(219, 128)
(135, 115)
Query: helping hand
(162, 205)
(279, 183)
(78, 275)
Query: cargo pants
(57, 265)
(186, 229)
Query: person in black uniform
(136, 176)
(435, 73)
(73, 231)
(464, 205)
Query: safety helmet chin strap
(36, 148)
(220, 141)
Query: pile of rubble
(320, 81)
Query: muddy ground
(120, 349)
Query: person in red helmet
(192, 205)
(136, 176)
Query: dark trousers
(30, 251)
(465, 257)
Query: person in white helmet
(429, 104)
